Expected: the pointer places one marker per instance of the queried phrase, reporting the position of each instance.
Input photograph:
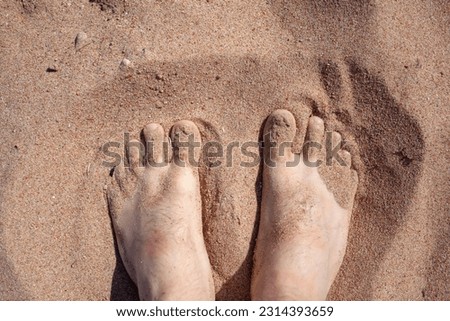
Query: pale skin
(156, 214)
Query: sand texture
(75, 75)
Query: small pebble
(159, 104)
(81, 40)
(52, 68)
(125, 63)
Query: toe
(135, 152)
(334, 149)
(186, 143)
(314, 144)
(156, 145)
(119, 174)
(316, 129)
(336, 139)
(347, 158)
(279, 133)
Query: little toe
(119, 174)
(186, 143)
(347, 158)
(279, 132)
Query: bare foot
(156, 213)
(303, 230)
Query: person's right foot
(156, 213)
(303, 230)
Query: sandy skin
(303, 230)
(157, 219)
(156, 213)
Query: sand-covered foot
(303, 229)
(155, 207)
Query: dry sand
(377, 71)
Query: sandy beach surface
(75, 75)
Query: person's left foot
(303, 230)
(157, 219)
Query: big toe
(279, 132)
(186, 143)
